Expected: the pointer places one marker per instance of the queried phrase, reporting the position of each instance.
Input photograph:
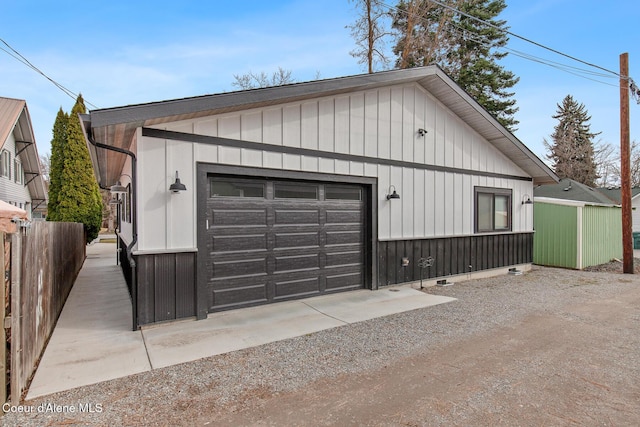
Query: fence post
(16, 314)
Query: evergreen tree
(571, 151)
(79, 197)
(464, 47)
(58, 143)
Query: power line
(635, 91)
(579, 72)
(19, 57)
(540, 45)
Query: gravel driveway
(550, 347)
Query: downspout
(134, 223)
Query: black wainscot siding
(124, 263)
(451, 256)
(166, 286)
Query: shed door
(270, 240)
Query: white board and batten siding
(11, 191)
(380, 123)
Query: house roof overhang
(14, 117)
(117, 126)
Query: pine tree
(464, 47)
(571, 151)
(79, 197)
(58, 143)
(476, 60)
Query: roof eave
(29, 156)
(116, 126)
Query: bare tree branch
(253, 80)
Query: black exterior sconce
(118, 188)
(177, 186)
(526, 199)
(393, 195)
(422, 132)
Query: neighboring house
(21, 181)
(311, 188)
(575, 225)
(615, 195)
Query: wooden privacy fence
(45, 260)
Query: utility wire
(19, 57)
(635, 91)
(562, 67)
(522, 38)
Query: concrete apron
(93, 341)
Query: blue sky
(125, 52)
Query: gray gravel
(225, 383)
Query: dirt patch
(545, 370)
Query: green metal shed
(575, 234)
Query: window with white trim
(19, 172)
(5, 164)
(492, 209)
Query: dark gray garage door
(269, 240)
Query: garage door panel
(296, 217)
(248, 267)
(297, 240)
(347, 280)
(344, 258)
(242, 295)
(295, 288)
(350, 216)
(297, 262)
(239, 217)
(239, 243)
(344, 237)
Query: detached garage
(259, 196)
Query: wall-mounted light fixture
(526, 199)
(177, 186)
(393, 195)
(422, 132)
(118, 188)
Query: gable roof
(615, 193)
(116, 126)
(14, 117)
(568, 189)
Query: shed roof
(116, 126)
(568, 189)
(14, 117)
(615, 193)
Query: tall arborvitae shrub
(58, 143)
(79, 197)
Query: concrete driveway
(93, 340)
